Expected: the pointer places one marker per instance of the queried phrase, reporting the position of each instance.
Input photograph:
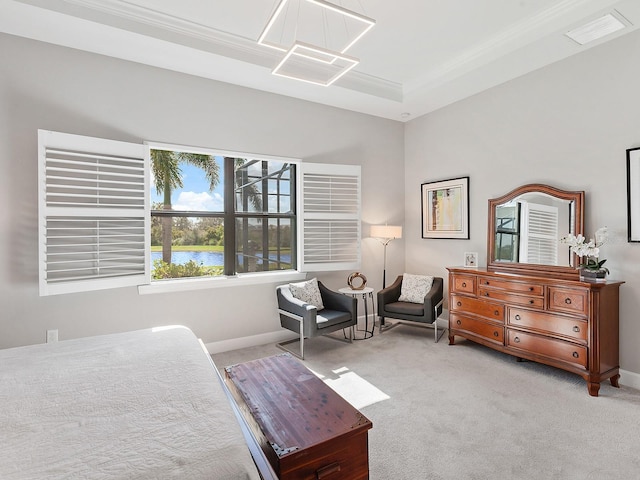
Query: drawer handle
(487, 283)
(531, 289)
(575, 355)
(459, 322)
(576, 328)
(464, 284)
(328, 470)
(531, 302)
(495, 334)
(496, 313)
(486, 294)
(517, 317)
(516, 339)
(567, 301)
(459, 304)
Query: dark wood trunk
(305, 428)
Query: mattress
(138, 405)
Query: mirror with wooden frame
(525, 227)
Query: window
(527, 232)
(106, 217)
(216, 215)
(507, 232)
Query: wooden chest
(306, 429)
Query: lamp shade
(386, 231)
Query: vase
(597, 275)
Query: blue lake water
(208, 259)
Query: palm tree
(249, 189)
(165, 166)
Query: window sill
(182, 285)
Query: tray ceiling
(419, 57)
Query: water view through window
(204, 205)
(207, 259)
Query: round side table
(365, 294)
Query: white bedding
(139, 405)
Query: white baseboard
(252, 341)
(264, 338)
(630, 379)
(627, 378)
(282, 335)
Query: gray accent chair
(417, 313)
(340, 312)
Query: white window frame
(334, 212)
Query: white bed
(138, 405)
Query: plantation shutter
(329, 217)
(539, 240)
(93, 213)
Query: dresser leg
(594, 388)
(452, 339)
(614, 380)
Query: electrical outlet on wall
(52, 336)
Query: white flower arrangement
(590, 249)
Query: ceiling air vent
(596, 29)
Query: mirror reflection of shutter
(329, 217)
(93, 213)
(539, 240)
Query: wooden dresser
(569, 324)
(306, 429)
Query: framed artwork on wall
(633, 194)
(445, 208)
(470, 259)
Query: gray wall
(55, 88)
(566, 125)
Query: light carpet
(468, 412)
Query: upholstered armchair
(427, 312)
(339, 312)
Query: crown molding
(110, 11)
(121, 29)
(156, 24)
(516, 36)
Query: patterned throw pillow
(414, 288)
(308, 292)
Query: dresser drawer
(548, 347)
(519, 287)
(463, 284)
(568, 300)
(490, 331)
(492, 311)
(503, 296)
(554, 324)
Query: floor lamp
(385, 233)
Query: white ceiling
(421, 55)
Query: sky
(195, 194)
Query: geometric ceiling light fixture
(314, 34)
(312, 64)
